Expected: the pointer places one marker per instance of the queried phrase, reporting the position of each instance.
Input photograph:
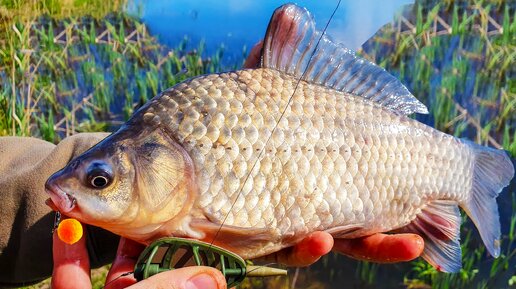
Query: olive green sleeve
(26, 222)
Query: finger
(71, 264)
(126, 257)
(306, 252)
(197, 277)
(253, 60)
(382, 248)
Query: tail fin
(492, 171)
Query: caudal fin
(492, 171)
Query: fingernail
(201, 281)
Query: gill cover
(164, 172)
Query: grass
(465, 75)
(67, 68)
(80, 74)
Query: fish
(254, 160)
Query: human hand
(382, 248)
(72, 269)
(379, 248)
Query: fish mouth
(61, 200)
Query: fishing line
(258, 267)
(261, 150)
(121, 275)
(277, 123)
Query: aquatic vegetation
(86, 74)
(463, 55)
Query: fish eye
(99, 175)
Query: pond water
(239, 23)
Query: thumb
(195, 277)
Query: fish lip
(62, 200)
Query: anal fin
(347, 231)
(439, 225)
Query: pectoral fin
(236, 239)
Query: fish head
(97, 183)
(131, 183)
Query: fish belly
(295, 160)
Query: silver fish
(256, 159)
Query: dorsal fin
(290, 41)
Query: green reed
(87, 71)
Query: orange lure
(69, 231)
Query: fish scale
(333, 160)
(255, 160)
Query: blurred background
(69, 66)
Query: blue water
(239, 23)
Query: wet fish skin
(273, 163)
(334, 160)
